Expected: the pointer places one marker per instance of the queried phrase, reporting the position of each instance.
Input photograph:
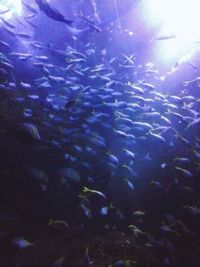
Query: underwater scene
(99, 133)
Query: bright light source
(178, 17)
(15, 7)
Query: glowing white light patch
(175, 17)
(15, 7)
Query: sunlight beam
(14, 6)
(174, 17)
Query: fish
(129, 154)
(185, 172)
(148, 86)
(24, 55)
(5, 45)
(87, 257)
(144, 125)
(135, 88)
(120, 133)
(182, 160)
(59, 262)
(139, 213)
(2, 12)
(30, 17)
(165, 37)
(156, 184)
(28, 113)
(104, 211)
(59, 225)
(194, 123)
(91, 23)
(25, 85)
(197, 154)
(52, 12)
(21, 243)
(113, 133)
(8, 24)
(112, 158)
(33, 25)
(23, 35)
(86, 211)
(9, 31)
(157, 136)
(7, 66)
(183, 140)
(30, 8)
(130, 185)
(94, 27)
(87, 190)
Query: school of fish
(129, 152)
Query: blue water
(97, 130)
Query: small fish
(139, 213)
(157, 136)
(182, 160)
(58, 224)
(130, 154)
(89, 261)
(197, 154)
(163, 165)
(94, 27)
(135, 88)
(33, 25)
(142, 124)
(21, 243)
(155, 184)
(8, 24)
(165, 228)
(147, 157)
(5, 45)
(183, 140)
(58, 263)
(104, 211)
(30, 17)
(130, 185)
(129, 170)
(25, 85)
(23, 35)
(87, 190)
(86, 211)
(28, 112)
(112, 158)
(42, 58)
(2, 12)
(193, 211)
(185, 172)
(165, 37)
(194, 123)
(120, 133)
(9, 31)
(148, 86)
(30, 8)
(192, 65)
